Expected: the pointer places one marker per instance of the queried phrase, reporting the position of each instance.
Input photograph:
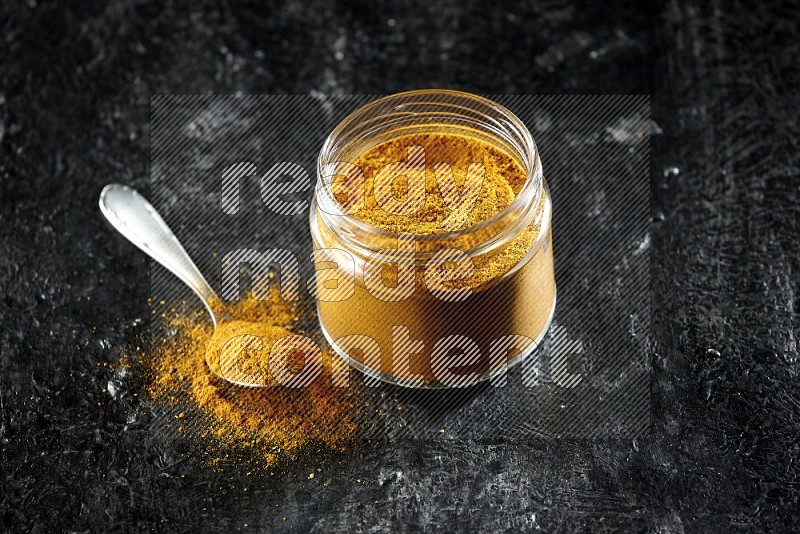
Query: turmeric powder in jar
(431, 225)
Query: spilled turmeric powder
(264, 424)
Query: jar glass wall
(483, 288)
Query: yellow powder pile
(265, 424)
(245, 349)
(501, 181)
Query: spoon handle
(137, 220)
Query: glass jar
(432, 336)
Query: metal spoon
(136, 219)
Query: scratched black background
(75, 87)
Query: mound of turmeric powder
(494, 188)
(452, 199)
(267, 423)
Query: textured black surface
(75, 86)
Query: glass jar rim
(526, 199)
